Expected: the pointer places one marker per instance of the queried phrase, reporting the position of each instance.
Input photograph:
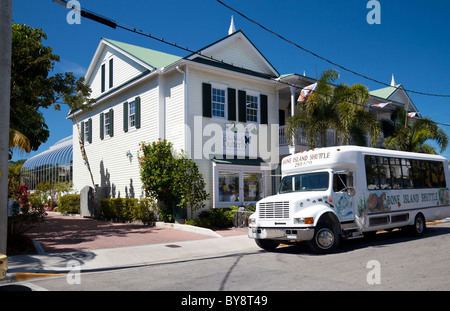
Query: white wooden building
(225, 106)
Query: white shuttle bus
(344, 192)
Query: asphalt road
(387, 261)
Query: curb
(21, 276)
(188, 228)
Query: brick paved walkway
(72, 233)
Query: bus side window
(441, 178)
(396, 173)
(339, 182)
(407, 174)
(342, 182)
(372, 175)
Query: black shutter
(264, 109)
(125, 117)
(111, 73)
(231, 104)
(82, 131)
(103, 78)
(111, 123)
(137, 112)
(206, 92)
(242, 98)
(102, 126)
(90, 130)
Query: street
(387, 261)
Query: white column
(292, 88)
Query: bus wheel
(419, 225)
(325, 240)
(268, 245)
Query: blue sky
(411, 42)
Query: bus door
(343, 193)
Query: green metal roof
(385, 92)
(245, 161)
(152, 58)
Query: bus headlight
(304, 221)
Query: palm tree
(413, 137)
(317, 114)
(18, 141)
(340, 108)
(354, 120)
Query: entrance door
(342, 197)
(237, 187)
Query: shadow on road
(381, 239)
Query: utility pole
(5, 95)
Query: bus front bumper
(282, 234)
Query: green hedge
(69, 203)
(213, 218)
(128, 209)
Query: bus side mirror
(351, 191)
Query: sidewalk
(97, 245)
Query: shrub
(24, 215)
(128, 209)
(69, 203)
(214, 218)
(171, 178)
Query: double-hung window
(252, 108)
(86, 133)
(107, 123)
(132, 114)
(218, 102)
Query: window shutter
(103, 78)
(111, 123)
(90, 130)
(102, 126)
(111, 73)
(125, 117)
(82, 131)
(137, 111)
(231, 104)
(264, 109)
(206, 90)
(242, 98)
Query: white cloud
(69, 66)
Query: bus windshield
(305, 182)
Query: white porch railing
(300, 138)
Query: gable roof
(153, 58)
(395, 94)
(386, 92)
(207, 55)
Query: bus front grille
(274, 209)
